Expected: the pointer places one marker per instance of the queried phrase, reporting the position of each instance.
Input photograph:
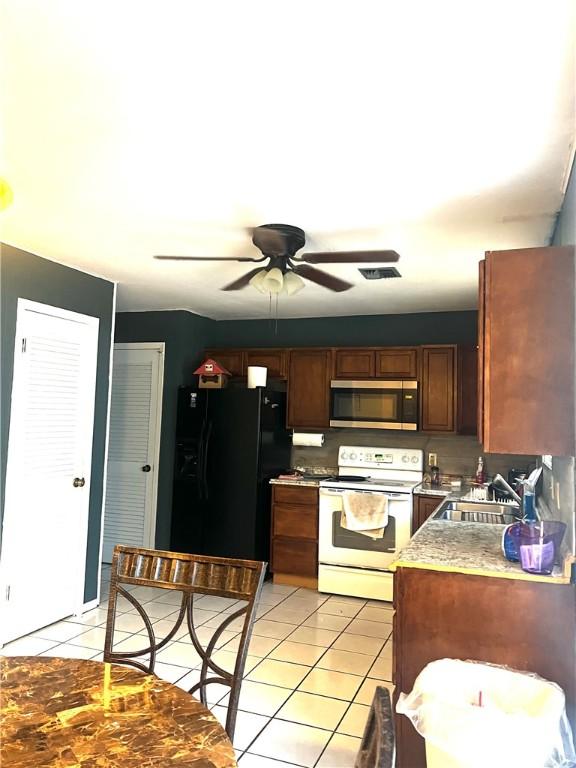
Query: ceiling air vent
(379, 273)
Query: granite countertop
(473, 548)
(444, 489)
(295, 481)
(308, 478)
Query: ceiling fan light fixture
(258, 281)
(273, 281)
(293, 283)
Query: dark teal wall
(363, 330)
(26, 276)
(185, 336)
(565, 229)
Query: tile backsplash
(457, 454)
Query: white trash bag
(476, 715)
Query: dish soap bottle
(480, 474)
(529, 514)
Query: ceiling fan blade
(322, 278)
(349, 257)
(241, 282)
(208, 258)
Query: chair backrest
(191, 575)
(378, 745)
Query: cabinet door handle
(146, 468)
(79, 482)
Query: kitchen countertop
(295, 481)
(472, 548)
(309, 480)
(444, 489)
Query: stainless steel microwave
(374, 404)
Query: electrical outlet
(432, 459)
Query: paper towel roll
(256, 376)
(308, 438)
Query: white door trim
(87, 606)
(160, 347)
(23, 306)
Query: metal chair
(378, 745)
(192, 575)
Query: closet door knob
(146, 468)
(79, 482)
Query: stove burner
(351, 479)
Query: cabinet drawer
(402, 362)
(353, 363)
(295, 556)
(295, 494)
(295, 520)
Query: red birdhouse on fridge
(211, 375)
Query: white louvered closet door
(130, 510)
(48, 472)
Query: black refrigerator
(229, 443)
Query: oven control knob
(405, 459)
(352, 456)
(414, 459)
(344, 455)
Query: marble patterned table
(74, 713)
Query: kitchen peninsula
(455, 596)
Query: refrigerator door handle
(205, 462)
(201, 453)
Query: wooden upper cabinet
(354, 363)
(231, 359)
(309, 388)
(480, 358)
(528, 308)
(467, 389)
(438, 388)
(397, 361)
(275, 360)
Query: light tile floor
(312, 666)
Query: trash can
(476, 715)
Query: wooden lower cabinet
(294, 541)
(423, 508)
(525, 625)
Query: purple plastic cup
(538, 545)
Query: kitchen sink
(477, 512)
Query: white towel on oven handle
(365, 513)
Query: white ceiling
(439, 129)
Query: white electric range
(351, 563)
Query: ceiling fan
(279, 244)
